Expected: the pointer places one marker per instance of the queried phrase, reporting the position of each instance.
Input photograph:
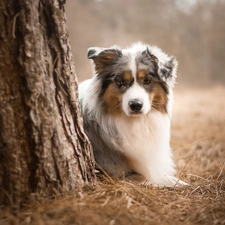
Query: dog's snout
(135, 105)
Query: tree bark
(43, 148)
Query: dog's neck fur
(142, 139)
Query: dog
(126, 108)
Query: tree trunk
(43, 148)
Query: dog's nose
(135, 105)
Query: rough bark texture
(43, 148)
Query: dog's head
(135, 80)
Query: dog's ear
(93, 52)
(166, 66)
(167, 70)
(147, 55)
(103, 57)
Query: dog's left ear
(167, 70)
(166, 65)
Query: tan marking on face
(157, 94)
(158, 98)
(112, 99)
(127, 76)
(141, 74)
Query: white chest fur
(145, 140)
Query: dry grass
(198, 140)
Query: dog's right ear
(103, 57)
(93, 52)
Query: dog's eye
(152, 74)
(121, 83)
(147, 81)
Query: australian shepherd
(127, 111)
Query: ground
(198, 141)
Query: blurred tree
(191, 30)
(43, 148)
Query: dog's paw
(168, 181)
(182, 183)
(171, 181)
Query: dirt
(198, 141)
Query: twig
(193, 175)
(191, 144)
(220, 171)
(193, 191)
